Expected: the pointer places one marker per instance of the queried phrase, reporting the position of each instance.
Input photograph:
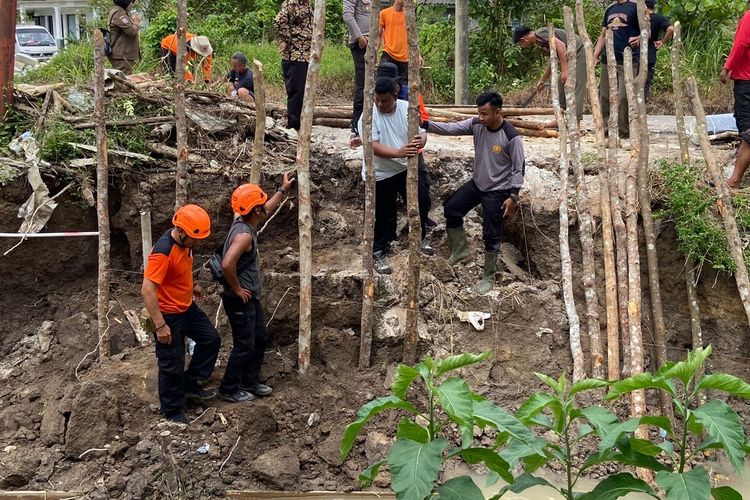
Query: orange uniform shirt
(393, 25)
(170, 266)
(170, 43)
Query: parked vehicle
(35, 41)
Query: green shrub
(165, 23)
(72, 65)
(704, 15)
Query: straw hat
(201, 45)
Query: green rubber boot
(459, 245)
(490, 266)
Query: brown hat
(201, 45)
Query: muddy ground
(69, 423)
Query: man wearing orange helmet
(168, 291)
(242, 291)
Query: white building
(63, 18)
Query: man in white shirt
(392, 146)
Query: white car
(36, 42)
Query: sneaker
(199, 393)
(258, 389)
(178, 418)
(238, 396)
(426, 249)
(380, 263)
(430, 224)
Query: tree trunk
(7, 57)
(462, 52)
(181, 175)
(102, 196)
(579, 370)
(610, 273)
(303, 176)
(411, 336)
(368, 230)
(724, 199)
(146, 238)
(618, 223)
(260, 121)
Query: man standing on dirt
(621, 18)
(737, 68)
(356, 14)
(293, 25)
(659, 25)
(242, 291)
(168, 292)
(499, 166)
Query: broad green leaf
(455, 397)
(645, 380)
(725, 493)
(425, 373)
(601, 418)
(524, 482)
(536, 403)
(415, 467)
(723, 382)
(403, 379)
(638, 452)
(562, 382)
(609, 440)
(488, 413)
(685, 370)
(587, 385)
(369, 474)
(691, 485)
(411, 430)
(516, 451)
(366, 413)
(668, 447)
(643, 446)
(492, 479)
(723, 425)
(616, 486)
(533, 462)
(552, 383)
(492, 460)
(584, 430)
(451, 363)
(459, 488)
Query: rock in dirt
(18, 471)
(257, 423)
(390, 326)
(277, 468)
(136, 486)
(52, 430)
(330, 449)
(72, 331)
(377, 446)
(94, 419)
(45, 334)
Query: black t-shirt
(241, 80)
(622, 19)
(659, 25)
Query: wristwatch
(514, 197)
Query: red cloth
(738, 61)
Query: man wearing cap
(659, 25)
(240, 78)
(199, 51)
(168, 292)
(356, 14)
(737, 69)
(293, 26)
(242, 291)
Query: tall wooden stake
(610, 273)
(303, 175)
(583, 205)
(579, 370)
(368, 230)
(102, 196)
(618, 223)
(7, 54)
(260, 121)
(724, 199)
(181, 180)
(462, 52)
(146, 239)
(411, 336)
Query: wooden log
(171, 153)
(333, 122)
(127, 123)
(260, 121)
(368, 229)
(181, 180)
(566, 266)
(583, 206)
(303, 175)
(44, 112)
(102, 197)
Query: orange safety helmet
(193, 220)
(246, 197)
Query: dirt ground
(70, 422)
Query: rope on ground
(230, 454)
(277, 306)
(96, 347)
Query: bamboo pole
(462, 52)
(411, 337)
(579, 370)
(102, 197)
(368, 229)
(724, 200)
(260, 121)
(146, 240)
(181, 180)
(618, 223)
(303, 175)
(610, 273)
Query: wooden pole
(618, 223)
(411, 336)
(146, 240)
(303, 175)
(462, 52)
(7, 54)
(610, 273)
(368, 229)
(181, 180)
(579, 370)
(102, 196)
(724, 201)
(260, 121)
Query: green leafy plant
(422, 437)
(715, 419)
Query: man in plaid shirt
(293, 27)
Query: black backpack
(214, 265)
(107, 41)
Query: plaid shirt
(293, 27)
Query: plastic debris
(476, 318)
(203, 450)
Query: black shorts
(742, 107)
